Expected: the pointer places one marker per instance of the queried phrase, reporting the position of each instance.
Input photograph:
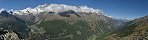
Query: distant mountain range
(65, 22)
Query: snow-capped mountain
(56, 8)
(58, 21)
(2, 10)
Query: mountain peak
(5, 13)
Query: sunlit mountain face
(66, 22)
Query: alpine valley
(65, 22)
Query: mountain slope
(10, 22)
(132, 30)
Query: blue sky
(118, 8)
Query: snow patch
(2, 10)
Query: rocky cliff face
(8, 35)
